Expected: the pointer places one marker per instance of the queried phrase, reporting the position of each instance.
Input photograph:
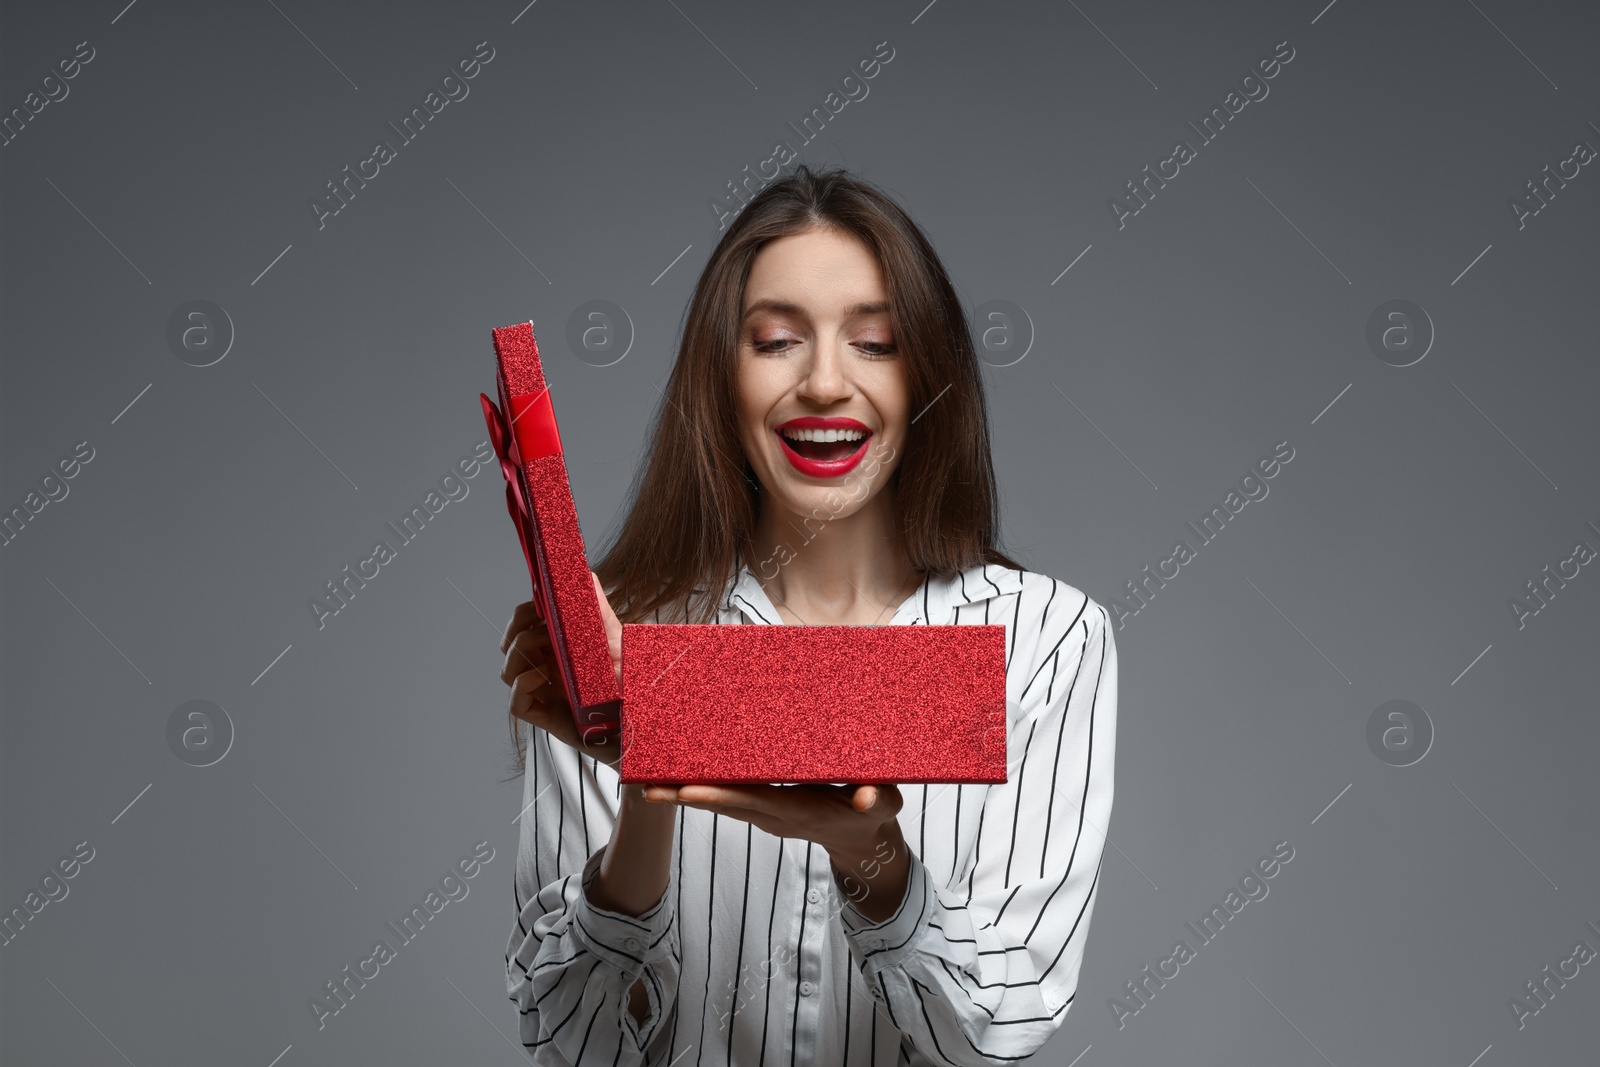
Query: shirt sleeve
(570, 965)
(983, 970)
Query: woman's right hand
(538, 694)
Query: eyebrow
(784, 306)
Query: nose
(825, 380)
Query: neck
(844, 571)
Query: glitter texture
(539, 498)
(520, 369)
(782, 704)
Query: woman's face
(818, 359)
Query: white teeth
(823, 435)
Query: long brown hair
(695, 498)
(694, 505)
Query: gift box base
(813, 704)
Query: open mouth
(824, 446)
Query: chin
(830, 501)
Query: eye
(877, 349)
(778, 344)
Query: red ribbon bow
(530, 435)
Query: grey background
(1226, 317)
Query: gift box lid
(539, 499)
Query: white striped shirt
(754, 957)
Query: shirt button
(631, 944)
(805, 989)
(876, 942)
(814, 896)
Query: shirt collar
(934, 603)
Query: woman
(781, 924)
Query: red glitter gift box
(539, 498)
(711, 703)
(846, 704)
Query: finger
(527, 652)
(612, 624)
(734, 811)
(828, 794)
(700, 794)
(715, 809)
(827, 789)
(600, 744)
(890, 800)
(537, 633)
(543, 704)
(536, 712)
(858, 797)
(522, 617)
(554, 720)
(881, 800)
(721, 796)
(800, 806)
(533, 699)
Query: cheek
(752, 429)
(746, 392)
(759, 388)
(890, 397)
(889, 388)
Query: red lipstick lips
(819, 459)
